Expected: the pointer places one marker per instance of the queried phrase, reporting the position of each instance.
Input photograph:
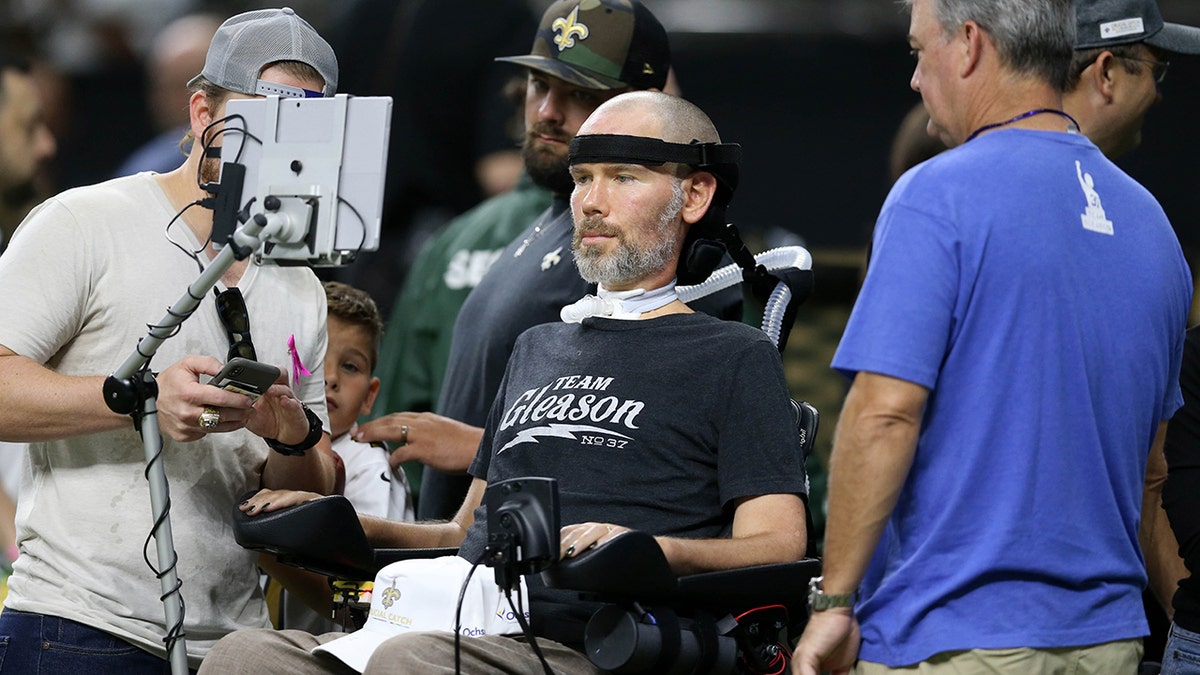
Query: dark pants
(41, 644)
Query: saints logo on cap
(570, 29)
(390, 595)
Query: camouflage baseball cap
(600, 44)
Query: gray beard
(628, 262)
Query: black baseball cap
(1107, 23)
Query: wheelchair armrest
(774, 584)
(322, 535)
(630, 565)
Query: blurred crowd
(111, 79)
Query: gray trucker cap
(246, 43)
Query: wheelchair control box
(522, 526)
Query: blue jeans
(1182, 654)
(38, 643)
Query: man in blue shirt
(1014, 351)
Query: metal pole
(132, 390)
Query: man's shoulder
(95, 209)
(135, 186)
(495, 221)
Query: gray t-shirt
(658, 425)
(529, 284)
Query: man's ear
(201, 113)
(972, 43)
(698, 191)
(1101, 74)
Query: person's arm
(8, 525)
(766, 529)
(315, 470)
(436, 441)
(873, 449)
(381, 532)
(41, 405)
(1163, 564)
(393, 534)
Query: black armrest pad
(322, 535)
(630, 565)
(777, 583)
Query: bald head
(652, 114)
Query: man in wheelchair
(650, 417)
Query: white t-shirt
(82, 277)
(372, 485)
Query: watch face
(818, 600)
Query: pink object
(298, 368)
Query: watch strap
(819, 601)
(315, 430)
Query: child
(372, 485)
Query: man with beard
(583, 54)
(25, 141)
(722, 451)
(82, 276)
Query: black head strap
(720, 159)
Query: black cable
(362, 240)
(528, 633)
(206, 141)
(462, 593)
(194, 255)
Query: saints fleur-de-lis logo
(390, 595)
(570, 30)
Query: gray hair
(1032, 37)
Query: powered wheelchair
(650, 620)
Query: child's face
(349, 387)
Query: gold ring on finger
(209, 419)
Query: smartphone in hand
(246, 377)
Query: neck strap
(1072, 126)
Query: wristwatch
(315, 431)
(818, 601)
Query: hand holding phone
(247, 377)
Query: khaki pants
(253, 652)
(1111, 658)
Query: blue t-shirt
(1041, 296)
